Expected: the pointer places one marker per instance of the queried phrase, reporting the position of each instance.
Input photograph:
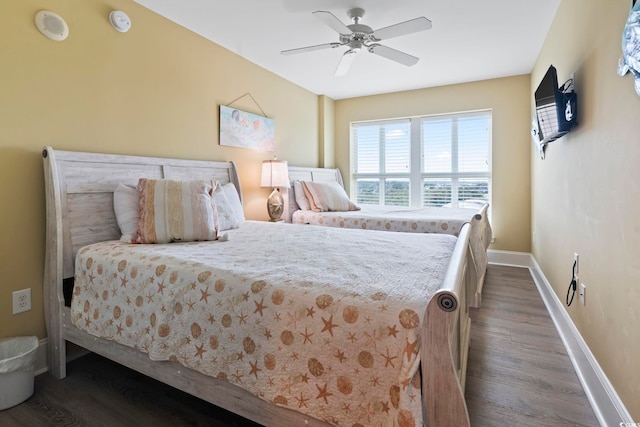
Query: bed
(230, 292)
(440, 220)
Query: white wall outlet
(21, 301)
(583, 291)
(576, 260)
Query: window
(382, 158)
(423, 161)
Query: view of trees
(434, 192)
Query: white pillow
(301, 198)
(233, 197)
(126, 205)
(227, 216)
(328, 196)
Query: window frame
(380, 176)
(416, 174)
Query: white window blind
(424, 161)
(456, 159)
(382, 157)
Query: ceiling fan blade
(311, 48)
(329, 19)
(394, 55)
(345, 62)
(407, 27)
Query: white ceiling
(469, 41)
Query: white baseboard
(515, 259)
(605, 402)
(41, 358)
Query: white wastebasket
(17, 362)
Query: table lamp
(275, 174)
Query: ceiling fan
(358, 36)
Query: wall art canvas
(242, 129)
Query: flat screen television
(556, 108)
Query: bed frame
(474, 295)
(79, 201)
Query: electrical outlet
(576, 260)
(21, 301)
(583, 292)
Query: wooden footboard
(445, 344)
(79, 189)
(478, 244)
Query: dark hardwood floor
(518, 375)
(100, 393)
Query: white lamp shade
(275, 173)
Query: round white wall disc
(51, 25)
(120, 21)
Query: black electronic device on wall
(556, 108)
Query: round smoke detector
(120, 21)
(51, 25)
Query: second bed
(439, 220)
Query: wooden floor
(518, 375)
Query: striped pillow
(300, 196)
(176, 211)
(309, 197)
(328, 196)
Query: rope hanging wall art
(242, 129)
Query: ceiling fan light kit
(358, 36)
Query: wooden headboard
(78, 183)
(297, 173)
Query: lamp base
(275, 205)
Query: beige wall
(508, 99)
(326, 107)
(152, 91)
(585, 193)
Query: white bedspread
(320, 320)
(392, 218)
(440, 220)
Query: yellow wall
(508, 99)
(585, 193)
(326, 107)
(152, 91)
